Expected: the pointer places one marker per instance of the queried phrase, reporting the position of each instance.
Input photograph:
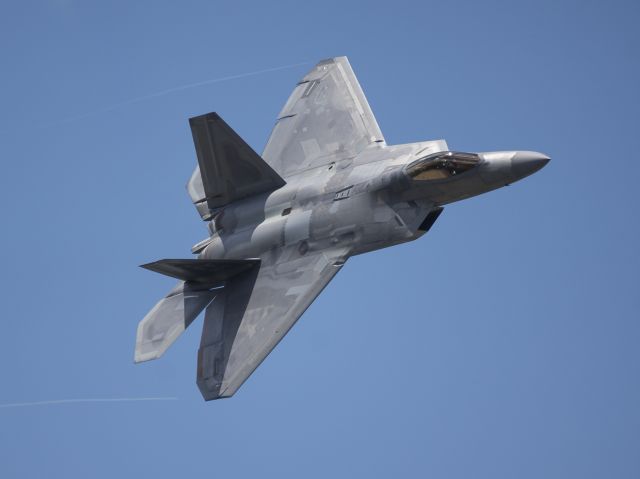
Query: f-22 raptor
(281, 225)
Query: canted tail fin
(208, 272)
(228, 168)
(199, 285)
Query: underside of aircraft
(282, 224)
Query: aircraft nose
(525, 163)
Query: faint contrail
(173, 90)
(89, 400)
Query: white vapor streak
(87, 400)
(175, 89)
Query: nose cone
(525, 163)
(504, 167)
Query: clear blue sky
(503, 344)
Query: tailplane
(201, 282)
(202, 271)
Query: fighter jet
(281, 225)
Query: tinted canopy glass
(442, 165)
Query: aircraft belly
(281, 226)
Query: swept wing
(254, 312)
(327, 118)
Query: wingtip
(214, 394)
(139, 357)
(328, 60)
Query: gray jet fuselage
(282, 224)
(360, 204)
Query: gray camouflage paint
(345, 193)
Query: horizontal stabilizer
(228, 168)
(168, 319)
(203, 271)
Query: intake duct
(431, 218)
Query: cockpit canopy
(442, 165)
